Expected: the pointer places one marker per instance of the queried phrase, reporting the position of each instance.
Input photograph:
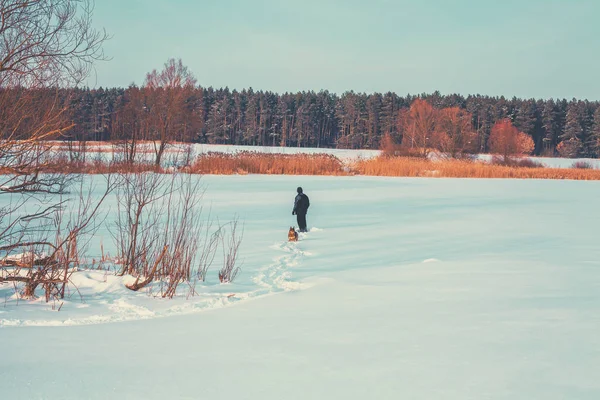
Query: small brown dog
(292, 235)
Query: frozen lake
(403, 288)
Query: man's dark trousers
(301, 222)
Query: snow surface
(403, 288)
(553, 162)
(342, 154)
(176, 154)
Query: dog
(292, 235)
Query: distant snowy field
(342, 154)
(176, 153)
(403, 288)
(555, 162)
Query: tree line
(170, 106)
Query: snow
(24, 257)
(403, 288)
(176, 153)
(342, 154)
(554, 162)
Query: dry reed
(324, 164)
(261, 163)
(418, 167)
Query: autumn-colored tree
(170, 105)
(388, 146)
(507, 140)
(454, 132)
(418, 125)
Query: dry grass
(418, 167)
(261, 163)
(323, 164)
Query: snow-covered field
(177, 153)
(554, 162)
(342, 154)
(403, 288)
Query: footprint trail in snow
(277, 277)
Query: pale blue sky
(524, 48)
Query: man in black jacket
(301, 204)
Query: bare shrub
(528, 163)
(208, 246)
(77, 151)
(160, 233)
(582, 165)
(187, 156)
(516, 162)
(182, 236)
(48, 250)
(139, 213)
(231, 245)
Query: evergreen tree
(570, 145)
(388, 114)
(549, 124)
(323, 119)
(594, 137)
(251, 119)
(525, 117)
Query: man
(301, 204)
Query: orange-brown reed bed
(262, 163)
(419, 167)
(323, 164)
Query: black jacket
(301, 204)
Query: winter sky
(524, 48)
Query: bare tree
(454, 132)
(418, 124)
(170, 95)
(506, 140)
(45, 45)
(130, 125)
